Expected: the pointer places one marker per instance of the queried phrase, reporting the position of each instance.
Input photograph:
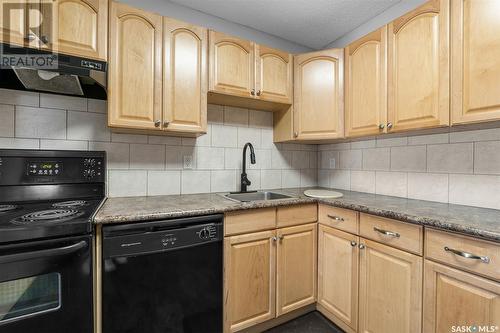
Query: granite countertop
(473, 221)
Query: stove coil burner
(48, 216)
(70, 204)
(7, 208)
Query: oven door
(46, 286)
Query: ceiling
(312, 23)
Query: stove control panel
(44, 168)
(92, 167)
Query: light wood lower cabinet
(453, 298)
(268, 274)
(296, 267)
(338, 262)
(249, 280)
(390, 290)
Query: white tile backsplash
(7, 116)
(450, 158)
(164, 182)
(41, 123)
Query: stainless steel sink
(256, 196)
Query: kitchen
(220, 166)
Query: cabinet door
(338, 263)
(296, 267)
(249, 280)
(390, 290)
(274, 74)
(418, 62)
(232, 65)
(455, 298)
(476, 61)
(185, 77)
(366, 85)
(135, 77)
(319, 95)
(17, 19)
(76, 27)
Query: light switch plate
(188, 162)
(332, 163)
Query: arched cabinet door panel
(135, 77)
(76, 27)
(476, 64)
(366, 85)
(232, 69)
(319, 95)
(418, 68)
(274, 74)
(185, 77)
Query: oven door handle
(58, 251)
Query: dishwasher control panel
(161, 240)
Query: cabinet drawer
(343, 219)
(451, 249)
(245, 221)
(402, 235)
(298, 214)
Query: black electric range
(47, 202)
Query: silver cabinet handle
(166, 123)
(295, 134)
(44, 39)
(389, 125)
(387, 232)
(157, 123)
(381, 126)
(467, 255)
(361, 246)
(353, 243)
(336, 218)
(274, 239)
(30, 37)
(281, 237)
(252, 92)
(258, 92)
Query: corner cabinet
(476, 65)
(135, 71)
(157, 74)
(185, 77)
(319, 95)
(366, 85)
(80, 27)
(418, 68)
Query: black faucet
(244, 180)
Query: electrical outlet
(332, 163)
(188, 162)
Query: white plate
(324, 194)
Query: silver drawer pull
(386, 232)
(336, 218)
(468, 255)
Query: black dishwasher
(163, 276)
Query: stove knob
(88, 173)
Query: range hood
(72, 75)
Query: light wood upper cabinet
(390, 290)
(185, 76)
(249, 280)
(338, 262)
(319, 95)
(232, 65)
(13, 22)
(273, 74)
(366, 85)
(296, 268)
(77, 27)
(135, 75)
(418, 63)
(476, 61)
(456, 298)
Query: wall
(457, 167)
(383, 18)
(167, 8)
(153, 165)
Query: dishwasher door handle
(58, 251)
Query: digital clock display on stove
(45, 168)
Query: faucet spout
(245, 182)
